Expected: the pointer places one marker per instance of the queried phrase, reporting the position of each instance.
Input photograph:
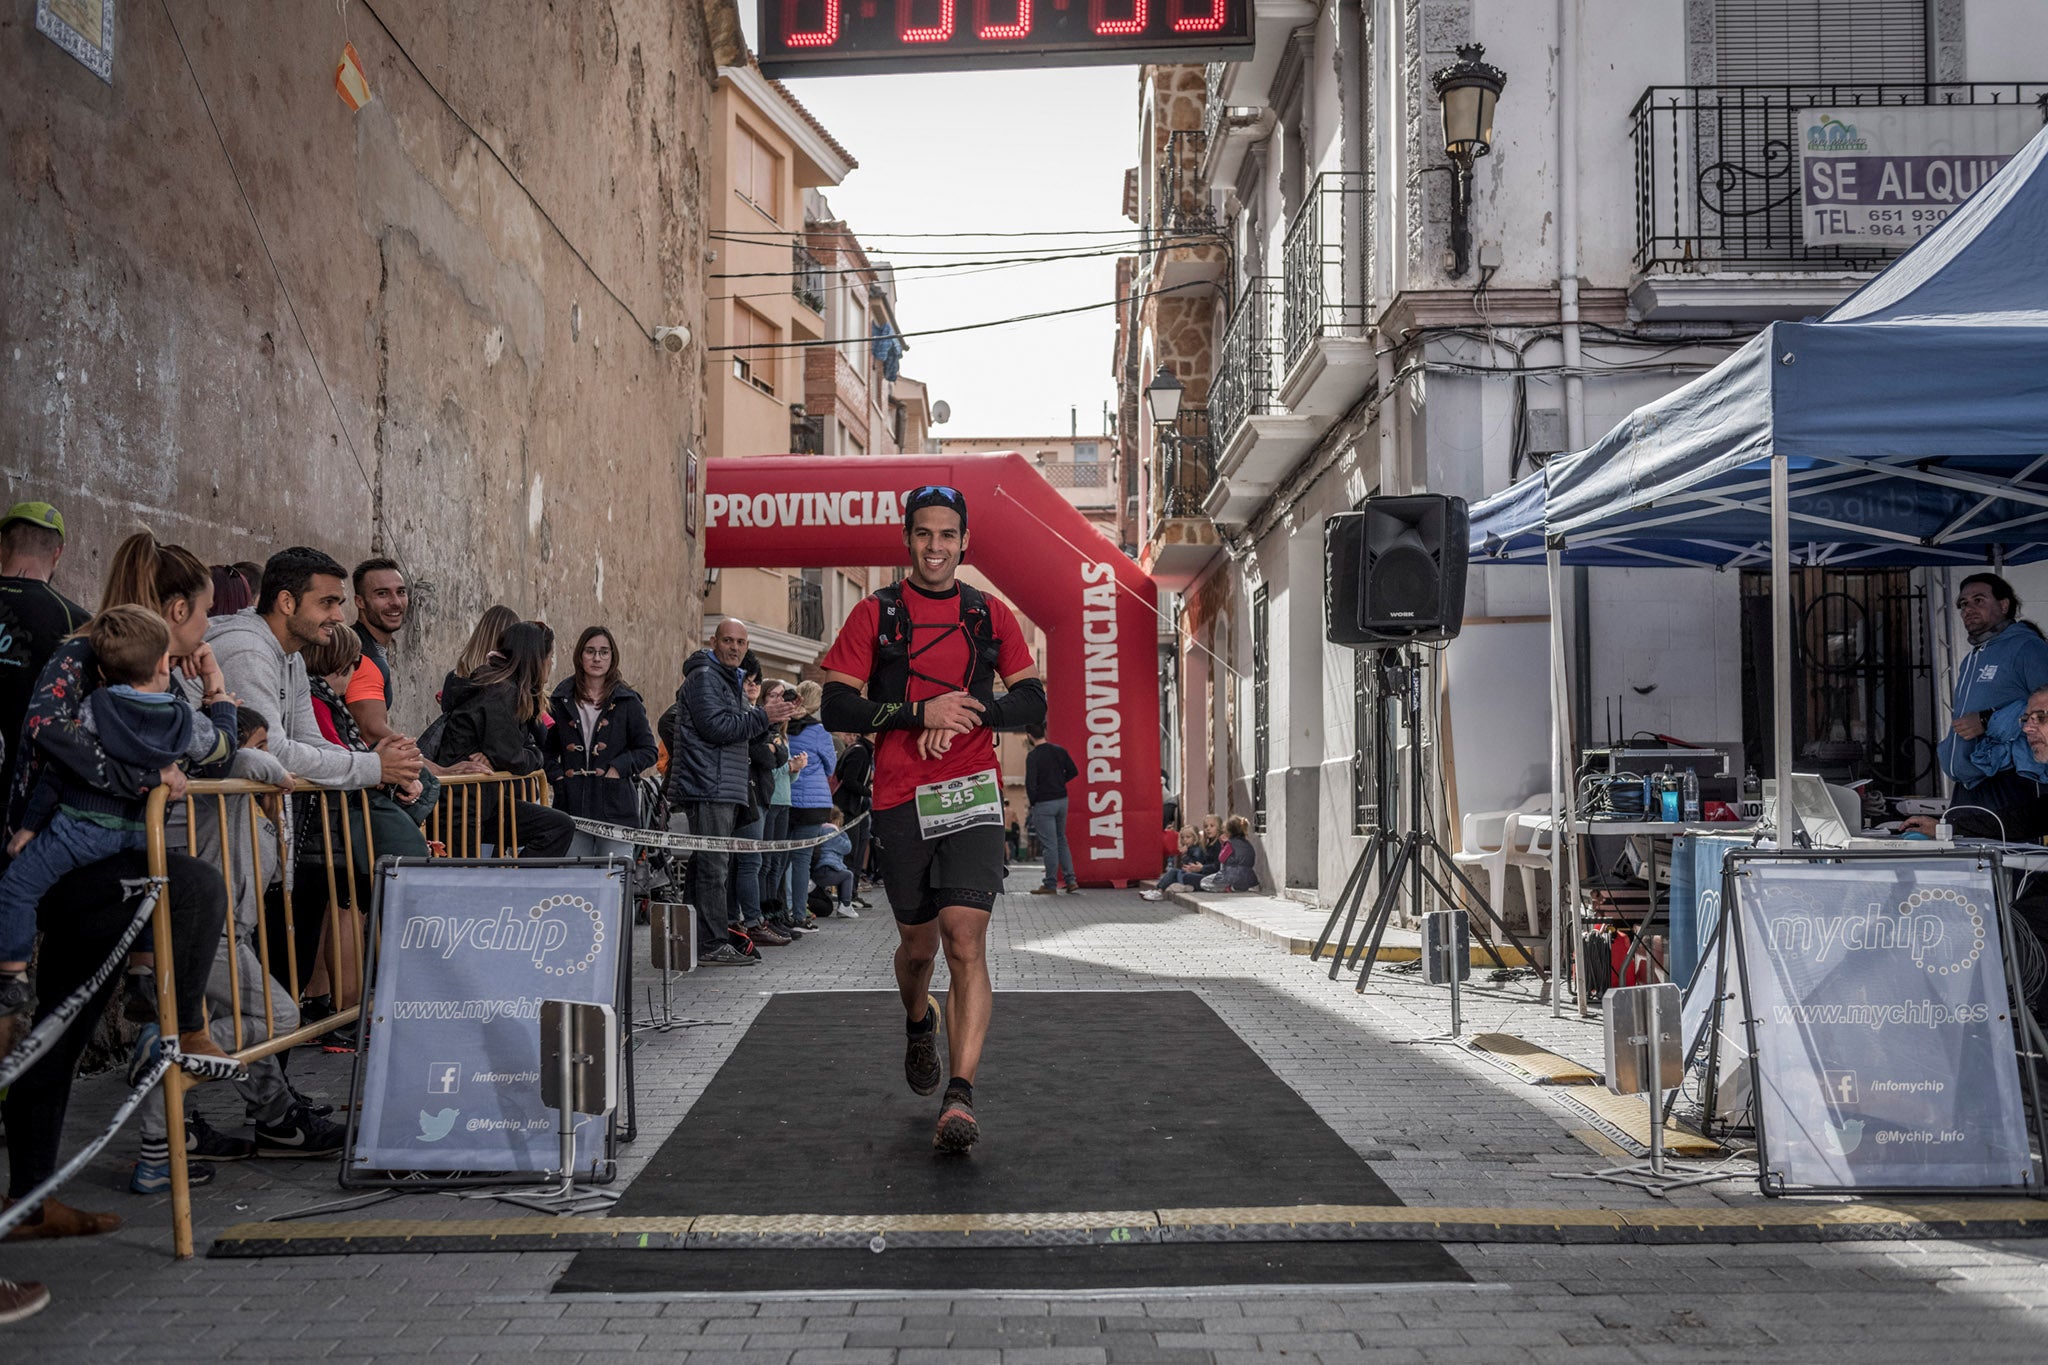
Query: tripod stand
(1417, 857)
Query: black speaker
(1394, 572)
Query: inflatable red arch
(1098, 610)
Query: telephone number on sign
(1874, 216)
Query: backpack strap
(889, 676)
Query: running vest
(894, 664)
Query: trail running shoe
(921, 1064)
(957, 1130)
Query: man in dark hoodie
(708, 773)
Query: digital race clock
(838, 37)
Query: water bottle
(1689, 793)
(1667, 796)
(1752, 795)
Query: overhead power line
(1096, 254)
(771, 348)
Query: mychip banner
(1881, 1024)
(465, 953)
(1887, 175)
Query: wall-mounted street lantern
(1467, 91)
(1162, 396)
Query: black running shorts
(962, 868)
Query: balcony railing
(1323, 264)
(806, 609)
(807, 435)
(1184, 209)
(807, 278)
(1717, 171)
(1187, 465)
(1246, 370)
(1212, 104)
(1078, 474)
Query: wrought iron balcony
(807, 278)
(807, 435)
(1323, 264)
(1717, 171)
(1247, 368)
(1187, 465)
(1212, 104)
(806, 609)
(1184, 209)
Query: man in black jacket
(707, 774)
(1047, 770)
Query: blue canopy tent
(1909, 426)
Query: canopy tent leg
(1781, 648)
(1559, 832)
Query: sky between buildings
(1003, 151)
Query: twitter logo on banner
(434, 1127)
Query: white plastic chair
(1528, 845)
(1485, 839)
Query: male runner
(927, 652)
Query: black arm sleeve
(1022, 705)
(846, 710)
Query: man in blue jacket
(2007, 660)
(708, 774)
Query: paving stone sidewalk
(1438, 1125)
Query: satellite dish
(941, 412)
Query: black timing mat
(1089, 1101)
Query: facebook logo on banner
(444, 1078)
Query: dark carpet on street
(1088, 1101)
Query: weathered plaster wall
(498, 421)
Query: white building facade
(1637, 218)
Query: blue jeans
(63, 847)
(1049, 823)
(800, 868)
(745, 899)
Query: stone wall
(427, 351)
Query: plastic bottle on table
(1689, 794)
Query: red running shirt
(940, 650)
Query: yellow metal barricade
(216, 817)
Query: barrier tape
(705, 843)
(22, 1208)
(39, 1040)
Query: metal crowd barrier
(464, 821)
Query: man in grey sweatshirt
(300, 604)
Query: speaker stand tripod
(1417, 858)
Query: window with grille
(1792, 42)
(757, 172)
(755, 365)
(1262, 711)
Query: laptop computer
(1814, 805)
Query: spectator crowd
(187, 671)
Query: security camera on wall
(672, 339)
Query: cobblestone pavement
(1438, 1125)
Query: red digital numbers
(1108, 27)
(824, 35)
(1188, 20)
(988, 32)
(935, 33)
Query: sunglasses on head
(932, 490)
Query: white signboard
(1887, 175)
(1877, 1000)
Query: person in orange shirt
(382, 607)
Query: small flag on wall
(349, 81)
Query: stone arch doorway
(1098, 610)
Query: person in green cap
(34, 617)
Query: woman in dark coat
(491, 715)
(600, 740)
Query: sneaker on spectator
(138, 997)
(201, 1058)
(845, 912)
(204, 1140)
(725, 955)
(154, 1177)
(800, 927)
(768, 935)
(299, 1135)
(1151, 894)
(22, 1299)
(148, 1044)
